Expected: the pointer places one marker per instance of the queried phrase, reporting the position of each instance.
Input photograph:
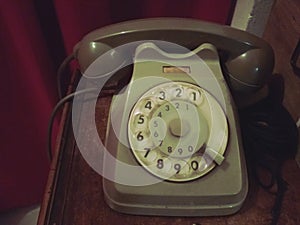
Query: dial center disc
(179, 127)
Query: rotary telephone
(173, 144)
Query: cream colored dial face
(173, 133)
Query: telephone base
(221, 192)
(162, 209)
(145, 190)
(153, 210)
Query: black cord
(270, 137)
(107, 91)
(54, 112)
(281, 189)
(61, 71)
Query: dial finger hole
(140, 122)
(194, 96)
(177, 92)
(146, 105)
(141, 139)
(181, 168)
(149, 155)
(161, 96)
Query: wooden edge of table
(53, 170)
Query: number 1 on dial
(194, 95)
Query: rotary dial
(174, 133)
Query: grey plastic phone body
(241, 64)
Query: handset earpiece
(247, 75)
(87, 52)
(249, 71)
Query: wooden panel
(283, 33)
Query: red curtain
(35, 36)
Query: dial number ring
(168, 128)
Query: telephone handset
(247, 60)
(175, 122)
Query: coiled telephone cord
(270, 137)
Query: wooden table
(74, 191)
